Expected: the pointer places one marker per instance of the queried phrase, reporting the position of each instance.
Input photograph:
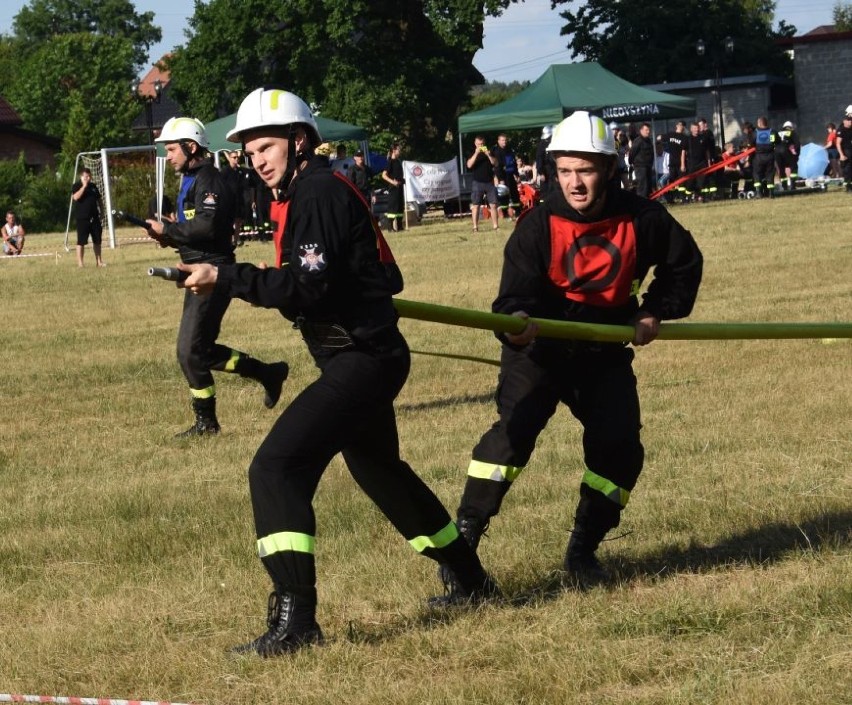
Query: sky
(518, 46)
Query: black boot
(468, 584)
(594, 517)
(291, 626)
(206, 423)
(581, 566)
(270, 375)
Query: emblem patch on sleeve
(210, 199)
(311, 259)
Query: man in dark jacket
(580, 256)
(642, 160)
(334, 279)
(359, 174)
(203, 232)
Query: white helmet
(546, 131)
(266, 107)
(849, 109)
(178, 129)
(582, 132)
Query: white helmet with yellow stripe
(178, 129)
(273, 107)
(582, 132)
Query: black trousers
(197, 350)
(764, 169)
(596, 383)
(348, 410)
(846, 168)
(644, 178)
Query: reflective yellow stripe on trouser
(492, 471)
(231, 364)
(443, 538)
(205, 393)
(285, 541)
(609, 489)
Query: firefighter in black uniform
(580, 256)
(203, 232)
(675, 145)
(787, 156)
(334, 280)
(765, 139)
(844, 148)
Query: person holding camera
(87, 196)
(482, 163)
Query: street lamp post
(149, 101)
(717, 57)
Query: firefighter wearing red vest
(580, 256)
(335, 280)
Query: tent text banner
(426, 183)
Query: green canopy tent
(331, 131)
(564, 88)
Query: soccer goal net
(127, 179)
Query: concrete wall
(743, 99)
(823, 87)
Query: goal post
(99, 164)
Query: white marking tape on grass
(34, 254)
(60, 700)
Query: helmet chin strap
(292, 159)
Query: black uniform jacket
(331, 269)
(210, 208)
(559, 265)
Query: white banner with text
(426, 183)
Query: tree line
(402, 69)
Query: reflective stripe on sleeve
(492, 471)
(609, 489)
(205, 393)
(285, 541)
(443, 538)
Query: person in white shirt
(13, 235)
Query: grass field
(127, 561)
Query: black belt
(324, 338)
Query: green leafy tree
(9, 61)
(842, 15)
(75, 70)
(43, 20)
(401, 69)
(654, 42)
(12, 176)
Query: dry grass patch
(127, 565)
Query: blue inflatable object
(813, 161)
